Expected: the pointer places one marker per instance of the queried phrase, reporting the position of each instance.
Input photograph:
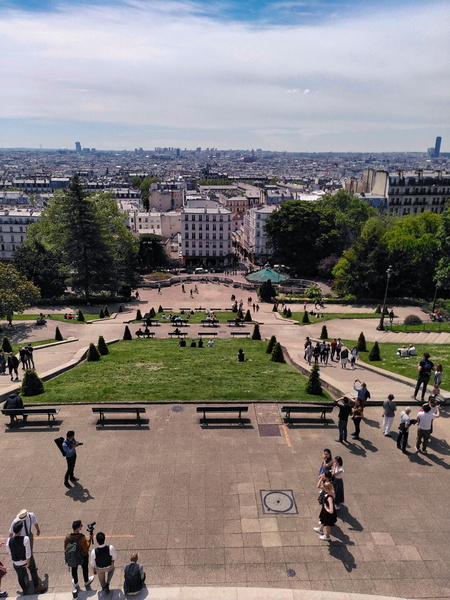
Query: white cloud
(167, 65)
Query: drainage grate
(278, 502)
(269, 430)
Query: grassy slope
(440, 353)
(159, 370)
(298, 316)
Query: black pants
(84, 568)
(421, 381)
(71, 460)
(22, 575)
(357, 423)
(402, 439)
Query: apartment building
(13, 229)
(206, 234)
(253, 239)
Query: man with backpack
(425, 368)
(134, 576)
(76, 554)
(102, 561)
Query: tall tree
(90, 236)
(443, 241)
(40, 265)
(151, 251)
(16, 292)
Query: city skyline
(301, 76)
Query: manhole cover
(176, 408)
(279, 502)
(268, 430)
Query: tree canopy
(16, 293)
(88, 234)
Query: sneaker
(106, 588)
(3, 594)
(325, 538)
(89, 581)
(317, 530)
(40, 589)
(406, 452)
(75, 585)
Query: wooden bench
(222, 409)
(299, 408)
(151, 323)
(240, 334)
(207, 334)
(234, 323)
(215, 309)
(102, 411)
(209, 323)
(25, 412)
(150, 334)
(180, 322)
(185, 310)
(167, 310)
(179, 333)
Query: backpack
(133, 581)
(73, 553)
(427, 368)
(59, 442)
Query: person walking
(344, 412)
(425, 418)
(30, 351)
(13, 366)
(389, 408)
(357, 416)
(437, 380)
(28, 520)
(403, 430)
(70, 446)
(22, 558)
(76, 554)
(102, 561)
(328, 516)
(344, 357)
(424, 368)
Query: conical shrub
(248, 317)
(324, 333)
(256, 335)
(6, 345)
(275, 307)
(101, 314)
(160, 309)
(288, 313)
(378, 310)
(31, 384)
(313, 386)
(305, 318)
(277, 353)
(271, 344)
(138, 315)
(102, 346)
(80, 316)
(361, 345)
(152, 314)
(92, 354)
(127, 333)
(106, 311)
(58, 336)
(374, 354)
(120, 308)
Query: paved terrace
(189, 499)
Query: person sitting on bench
(139, 333)
(147, 332)
(13, 402)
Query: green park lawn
(160, 371)
(444, 326)
(194, 319)
(390, 361)
(16, 347)
(55, 317)
(298, 316)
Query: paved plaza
(190, 500)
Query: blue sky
(307, 75)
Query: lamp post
(389, 272)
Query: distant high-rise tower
(77, 146)
(437, 147)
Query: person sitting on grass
(241, 355)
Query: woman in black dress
(328, 516)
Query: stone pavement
(189, 499)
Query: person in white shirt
(102, 561)
(29, 520)
(425, 418)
